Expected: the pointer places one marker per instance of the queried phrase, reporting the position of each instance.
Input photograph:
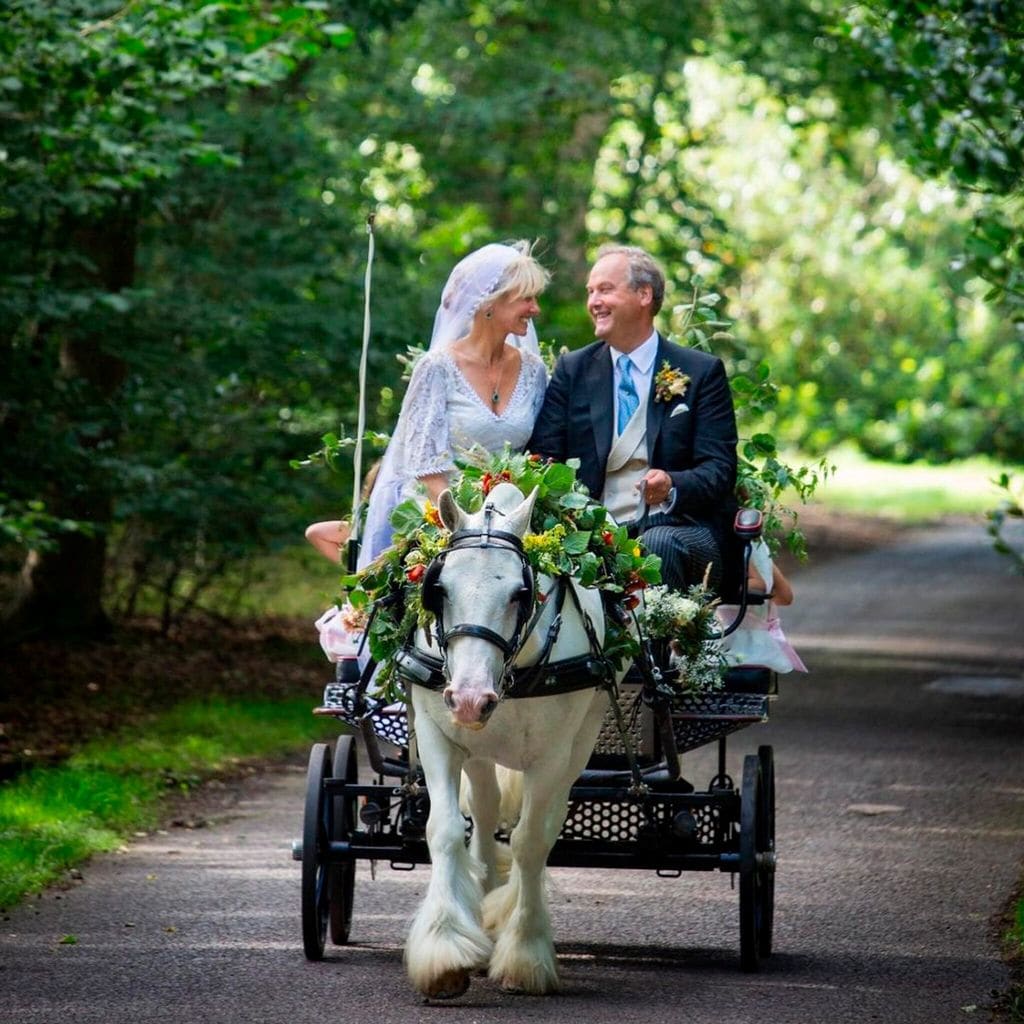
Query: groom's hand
(656, 486)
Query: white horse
(470, 919)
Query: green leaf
(406, 517)
(573, 500)
(559, 478)
(576, 543)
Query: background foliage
(185, 187)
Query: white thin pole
(361, 421)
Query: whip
(357, 517)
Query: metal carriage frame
(630, 808)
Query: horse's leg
(484, 802)
(524, 951)
(446, 942)
(524, 954)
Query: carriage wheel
(767, 917)
(342, 882)
(754, 863)
(315, 871)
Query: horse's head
(481, 592)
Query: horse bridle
(433, 594)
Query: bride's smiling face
(512, 314)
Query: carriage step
(296, 849)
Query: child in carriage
(759, 640)
(340, 629)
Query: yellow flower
(430, 514)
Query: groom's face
(621, 314)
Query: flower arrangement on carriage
(570, 535)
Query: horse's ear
(451, 514)
(519, 518)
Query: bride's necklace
(493, 380)
(495, 394)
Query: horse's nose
(470, 708)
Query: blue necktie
(628, 398)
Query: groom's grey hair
(644, 271)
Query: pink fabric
(335, 640)
(759, 641)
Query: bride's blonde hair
(523, 276)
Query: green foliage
(167, 328)
(765, 479)
(955, 71)
(841, 270)
(185, 187)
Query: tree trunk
(61, 590)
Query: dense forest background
(184, 194)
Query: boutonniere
(670, 383)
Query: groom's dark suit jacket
(692, 438)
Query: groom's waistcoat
(627, 462)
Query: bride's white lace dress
(442, 416)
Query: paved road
(901, 828)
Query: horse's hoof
(448, 986)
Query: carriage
(628, 808)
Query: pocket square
(679, 409)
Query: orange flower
(431, 514)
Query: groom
(651, 422)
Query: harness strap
(578, 673)
(535, 671)
(507, 647)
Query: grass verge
(913, 493)
(53, 818)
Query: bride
(481, 384)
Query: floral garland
(569, 535)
